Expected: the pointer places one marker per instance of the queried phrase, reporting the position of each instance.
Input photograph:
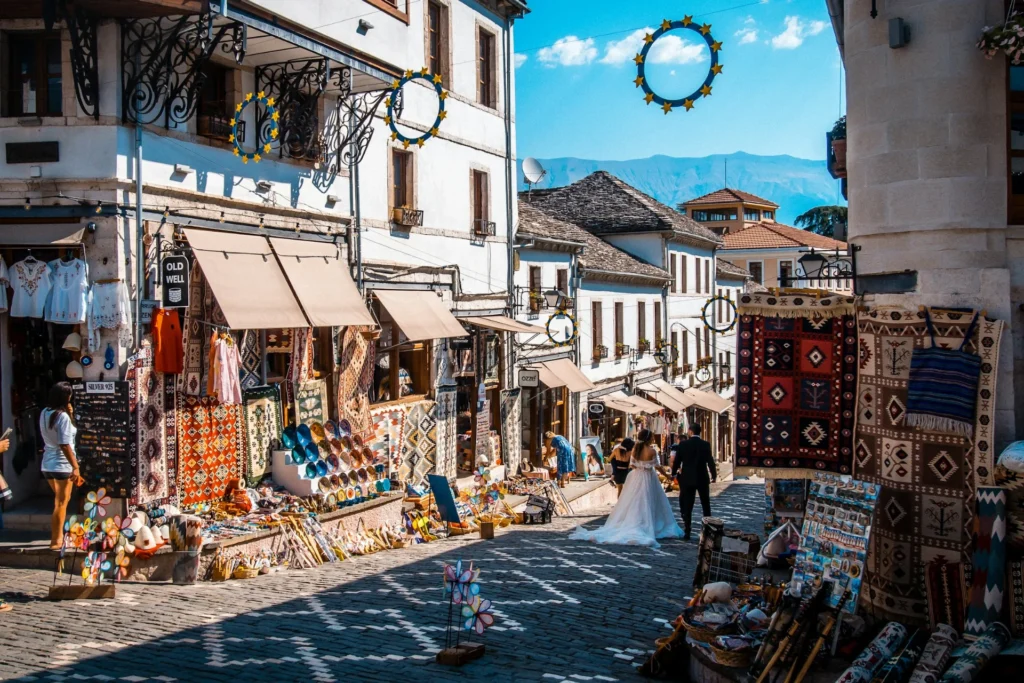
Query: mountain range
(796, 185)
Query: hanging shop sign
(392, 101)
(146, 308)
(561, 329)
(596, 408)
(174, 278)
(687, 23)
(529, 379)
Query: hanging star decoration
(391, 118)
(714, 46)
(272, 119)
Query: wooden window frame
(480, 200)
(707, 344)
(708, 265)
(444, 56)
(562, 281)
(682, 273)
(392, 7)
(684, 348)
(409, 171)
(696, 275)
(41, 76)
(619, 313)
(596, 326)
(751, 263)
(641, 322)
(486, 88)
(792, 273)
(536, 288)
(657, 323)
(719, 318)
(673, 272)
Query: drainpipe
(574, 400)
(510, 194)
(356, 226)
(714, 348)
(139, 243)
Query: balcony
(622, 350)
(409, 218)
(642, 346)
(687, 367)
(600, 353)
(484, 228)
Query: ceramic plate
(312, 452)
(318, 431)
(321, 468)
(305, 437)
(289, 437)
(310, 471)
(333, 464)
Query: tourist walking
(620, 463)
(694, 468)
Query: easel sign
(444, 499)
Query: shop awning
(500, 322)
(319, 276)
(420, 315)
(629, 404)
(246, 279)
(563, 373)
(41, 235)
(707, 400)
(667, 395)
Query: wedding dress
(641, 516)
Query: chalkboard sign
(104, 440)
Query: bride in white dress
(643, 513)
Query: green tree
(821, 220)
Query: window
(680, 350)
(657, 322)
(481, 203)
(756, 269)
(684, 348)
(696, 279)
(707, 276)
(213, 104)
(769, 215)
(437, 39)
(751, 215)
(696, 343)
(536, 296)
(597, 328)
(785, 273)
(700, 216)
(682, 272)
(672, 272)
(619, 330)
(718, 313)
(402, 179)
(485, 92)
(33, 79)
(1016, 140)
(562, 281)
(641, 322)
(715, 215)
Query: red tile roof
(727, 195)
(767, 235)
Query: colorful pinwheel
(121, 562)
(463, 585)
(96, 502)
(478, 615)
(94, 565)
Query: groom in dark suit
(690, 467)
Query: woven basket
(245, 573)
(740, 660)
(702, 633)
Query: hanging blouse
(224, 364)
(109, 309)
(69, 295)
(5, 282)
(30, 280)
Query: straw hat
(73, 342)
(74, 370)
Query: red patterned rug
(211, 446)
(795, 386)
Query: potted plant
(1007, 38)
(643, 346)
(838, 137)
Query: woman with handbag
(60, 466)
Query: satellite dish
(533, 172)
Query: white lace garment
(109, 309)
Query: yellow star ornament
(387, 102)
(433, 131)
(716, 46)
(639, 59)
(248, 97)
(687, 20)
(238, 107)
(273, 133)
(648, 38)
(405, 144)
(424, 72)
(437, 79)
(443, 95)
(705, 90)
(649, 97)
(666, 107)
(420, 142)
(442, 115)
(408, 74)
(261, 95)
(231, 137)
(639, 81)
(236, 151)
(394, 136)
(666, 25)
(387, 120)
(275, 116)
(688, 104)
(716, 69)
(705, 29)
(395, 83)
(245, 160)
(270, 101)
(256, 157)
(266, 148)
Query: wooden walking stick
(810, 606)
(826, 630)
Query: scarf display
(795, 385)
(989, 564)
(929, 479)
(511, 429)
(446, 415)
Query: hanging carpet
(211, 445)
(511, 430)
(263, 425)
(150, 393)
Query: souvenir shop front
(547, 407)
(621, 415)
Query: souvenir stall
(545, 408)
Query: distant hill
(796, 185)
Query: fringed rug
(511, 430)
(797, 374)
(311, 402)
(419, 447)
(946, 591)
(928, 479)
(354, 380)
(989, 562)
(263, 424)
(211, 446)
(154, 433)
(447, 441)
(251, 360)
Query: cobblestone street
(566, 610)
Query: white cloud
(569, 51)
(670, 49)
(746, 35)
(796, 31)
(520, 59)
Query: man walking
(691, 466)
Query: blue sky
(778, 93)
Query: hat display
(73, 342)
(74, 370)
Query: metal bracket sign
(529, 379)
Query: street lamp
(812, 264)
(554, 298)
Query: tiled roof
(727, 195)
(604, 205)
(726, 269)
(597, 254)
(767, 235)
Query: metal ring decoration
(667, 354)
(572, 337)
(268, 103)
(703, 374)
(396, 87)
(687, 102)
(704, 314)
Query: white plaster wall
(609, 293)
(648, 247)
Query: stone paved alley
(566, 610)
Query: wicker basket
(740, 660)
(704, 634)
(245, 573)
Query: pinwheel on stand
(462, 587)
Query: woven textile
(899, 666)
(989, 574)
(211, 446)
(795, 390)
(943, 386)
(388, 432)
(355, 378)
(970, 664)
(249, 353)
(193, 337)
(311, 402)
(419, 447)
(871, 658)
(1015, 584)
(944, 584)
(148, 396)
(447, 441)
(935, 655)
(263, 424)
(300, 362)
(929, 479)
(512, 429)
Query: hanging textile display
(944, 584)
(263, 425)
(311, 402)
(355, 379)
(251, 360)
(970, 664)
(447, 434)
(153, 431)
(935, 655)
(388, 435)
(929, 479)
(300, 363)
(988, 584)
(419, 445)
(193, 336)
(795, 390)
(109, 309)
(210, 448)
(224, 370)
(1015, 584)
(511, 429)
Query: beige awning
(707, 400)
(563, 373)
(420, 315)
(37, 235)
(667, 395)
(319, 276)
(500, 322)
(246, 279)
(629, 404)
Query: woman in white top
(60, 466)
